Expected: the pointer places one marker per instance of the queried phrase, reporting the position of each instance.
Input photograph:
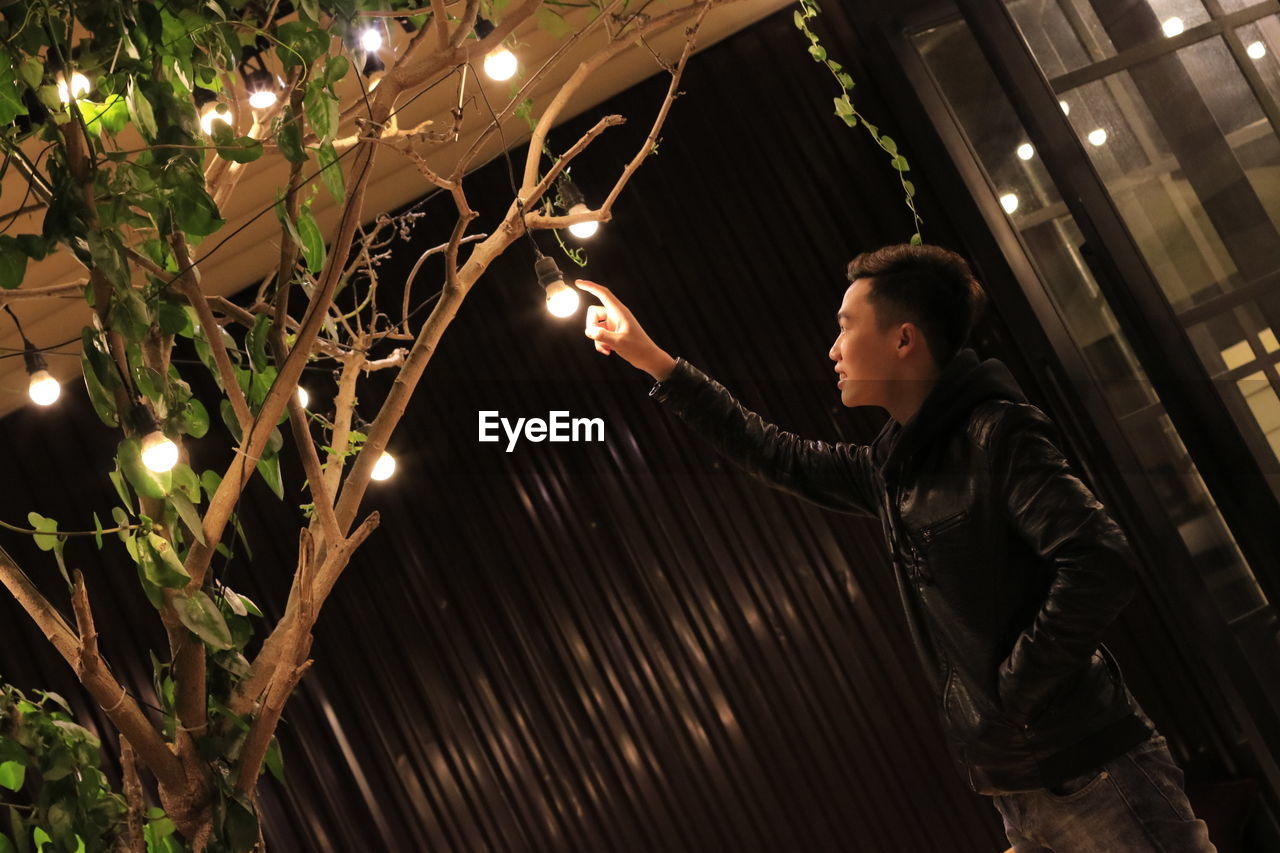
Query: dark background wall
(616, 646)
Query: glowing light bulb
(500, 64)
(159, 454)
(1009, 202)
(1172, 27)
(583, 230)
(384, 467)
(79, 88)
(209, 116)
(562, 300)
(303, 397)
(371, 40)
(1256, 50)
(262, 99)
(1025, 151)
(1066, 108)
(1097, 137)
(44, 389)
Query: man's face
(866, 358)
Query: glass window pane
(1054, 243)
(1200, 196)
(1066, 35)
(1261, 41)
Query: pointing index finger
(603, 293)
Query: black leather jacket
(1008, 567)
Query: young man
(1009, 569)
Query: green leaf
(243, 149)
(552, 22)
(331, 172)
(186, 481)
(173, 319)
(900, 163)
(148, 483)
(888, 145)
(194, 210)
(321, 110)
(140, 111)
(910, 188)
(256, 342)
(12, 775)
(845, 81)
(274, 761)
(46, 526)
(32, 72)
(41, 838)
(13, 261)
(916, 239)
(97, 527)
(11, 104)
(194, 419)
(188, 513)
(798, 20)
(843, 107)
(6, 846)
(269, 468)
(313, 250)
(818, 52)
(161, 563)
(289, 137)
(335, 68)
(202, 617)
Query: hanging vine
(847, 112)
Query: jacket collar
(964, 382)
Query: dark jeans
(1133, 803)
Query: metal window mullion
(1155, 49)
(1247, 67)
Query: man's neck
(911, 395)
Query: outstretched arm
(837, 476)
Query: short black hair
(930, 286)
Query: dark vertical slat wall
(616, 646)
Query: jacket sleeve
(838, 476)
(1095, 569)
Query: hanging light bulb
(1009, 202)
(562, 300)
(303, 397)
(371, 40)
(1098, 137)
(43, 389)
(1172, 27)
(1256, 50)
(78, 89)
(576, 203)
(260, 83)
(384, 467)
(159, 454)
(207, 104)
(1066, 108)
(499, 63)
(1026, 151)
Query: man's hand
(614, 328)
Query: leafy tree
(104, 111)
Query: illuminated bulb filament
(371, 40)
(262, 98)
(159, 454)
(44, 389)
(211, 115)
(384, 467)
(562, 300)
(79, 88)
(583, 230)
(500, 64)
